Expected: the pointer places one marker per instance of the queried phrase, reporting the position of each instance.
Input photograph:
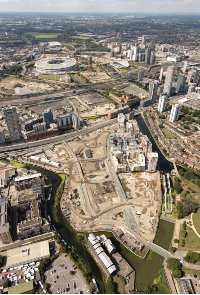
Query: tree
(173, 249)
(175, 267)
(172, 263)
(186, 207)
(152, 289)
(177, 185)
(2, 260)
(177, 273)
(192, 257)
(176, 241)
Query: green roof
(21, 288)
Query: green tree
(177, 273)
(2, 260)
(177, 185)
(186, 207)
(192, 257)
(152, 289)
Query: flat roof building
(28, 253)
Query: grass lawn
(168, 134)
(196, 220)
(69, 46)
(44, 35)
(120, 282)
(161, 281)
(17, 164)
(192, 241)
(51, 77)
(80, 37)
(173, 215)
(191, 271)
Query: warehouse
(27, 254)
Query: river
(163, 163)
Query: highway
(5, 150)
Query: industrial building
(27, 254)
(104, 258)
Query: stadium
(58, 65)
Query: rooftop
(27, 254)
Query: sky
(130, 6)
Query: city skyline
(103, 6)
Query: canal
(163, 164)
(148, 270)
(74, 240)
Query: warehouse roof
(28, 253)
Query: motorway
(5, 150)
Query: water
(149, 268)
(163, 163)
(74, 240)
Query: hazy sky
(162, 6)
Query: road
(128, 212)
(30, 100)
(52, 140)
(84, 194)
(155, 248)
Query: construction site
(95, 197)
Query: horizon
(148, 7)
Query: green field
(44, 35)
(196, 220)
(173, 215)
(51, 77)
(17, 164)
(191, 271)
(79, 37)
(69, 46)
(168, 134)
(192, 241)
